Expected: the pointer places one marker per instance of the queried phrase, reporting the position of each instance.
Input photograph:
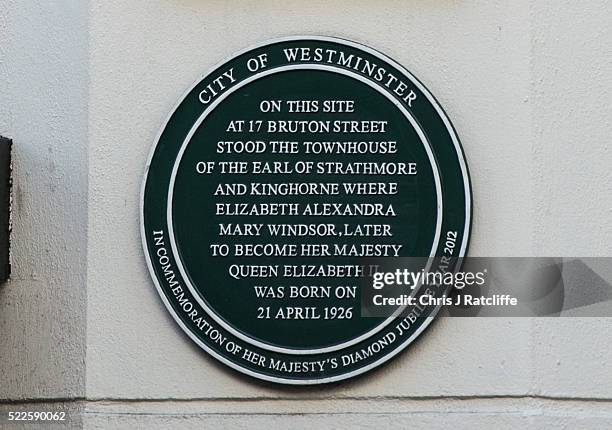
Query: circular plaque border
(426, 320)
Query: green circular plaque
(278, 182)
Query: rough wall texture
(43, 108)
(527, 85)
(572, 97)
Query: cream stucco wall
(43, 108)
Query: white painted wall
(43, 108)
(527, 85)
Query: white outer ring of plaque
(462, 249)
(177, 162)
